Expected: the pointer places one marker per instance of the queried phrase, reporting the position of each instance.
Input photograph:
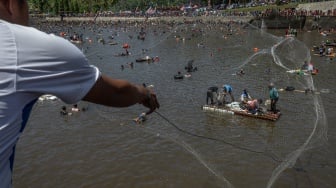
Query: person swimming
(64, 111)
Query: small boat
(187, 75)
(113, 43)
(76, 41)
(290, 35)
(298, 71)
(144, 59)
(304, 72)
(235, 109)
(332, 44)
(178, 76)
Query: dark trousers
(273, 105)
(211, 96)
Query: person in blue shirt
(274, 96)
(227, 89)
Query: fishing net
(231, 148)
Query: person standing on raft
(274, 96)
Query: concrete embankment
(324, 22)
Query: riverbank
(318, 16)
(163, 19)
(312, 22)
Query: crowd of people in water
(214, 95)
(325, 49)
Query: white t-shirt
(33, 63)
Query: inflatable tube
(290, 88)
(178, 76)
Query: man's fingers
(153, 103)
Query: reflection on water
(182, 146)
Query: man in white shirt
(33, 63)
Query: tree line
(84, 6)
(69, 6)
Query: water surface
(181, 145)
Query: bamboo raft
(235, 109)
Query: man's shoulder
(38, 42)
(16, 27)
(29, 33)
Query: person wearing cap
(274, 96)
(245, 97)
(227, 89)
